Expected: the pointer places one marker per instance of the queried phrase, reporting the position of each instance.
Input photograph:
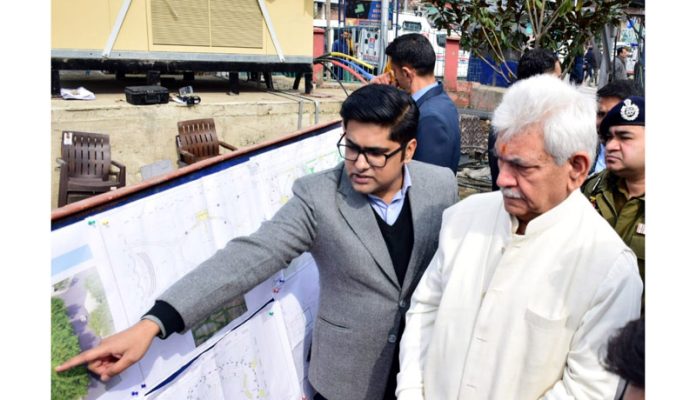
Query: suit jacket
(493, 159)
(361, 302)
(439, 136)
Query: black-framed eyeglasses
(375, 158)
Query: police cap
(630, 111)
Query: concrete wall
(476, 96)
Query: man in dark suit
(412, 61)
(371, 224)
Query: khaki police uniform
(608, 195)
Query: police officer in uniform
(618, 192)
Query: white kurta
(504, 316)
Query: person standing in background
(626, 358)
(590, 67)
(577, 71)
(412, 60)
(618, 192)
(619, 66)
(608, 96)
(344, 44)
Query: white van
(411, 23)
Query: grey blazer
(361, 302)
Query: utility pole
(607, 65)
(329, 31)
(383, 33)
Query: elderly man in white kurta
(529, 282)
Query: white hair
(565, 115)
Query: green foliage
(100, 321)
(71, 384)
(62, 285)
(497, 28)
(93, 285)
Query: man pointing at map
(371, 223)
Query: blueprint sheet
(115, 264)
(260, 355)
(250, 362)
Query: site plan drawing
(109, 268)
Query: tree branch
(498, 51)
(493, 67)
(552, 19)
(532, 19)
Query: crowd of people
(584, 67)
(511, 294)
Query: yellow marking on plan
(202, 215)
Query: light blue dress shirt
(421, 92)
(601, 162)
(390, 212)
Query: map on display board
(109, 266)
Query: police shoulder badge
(629, 111)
